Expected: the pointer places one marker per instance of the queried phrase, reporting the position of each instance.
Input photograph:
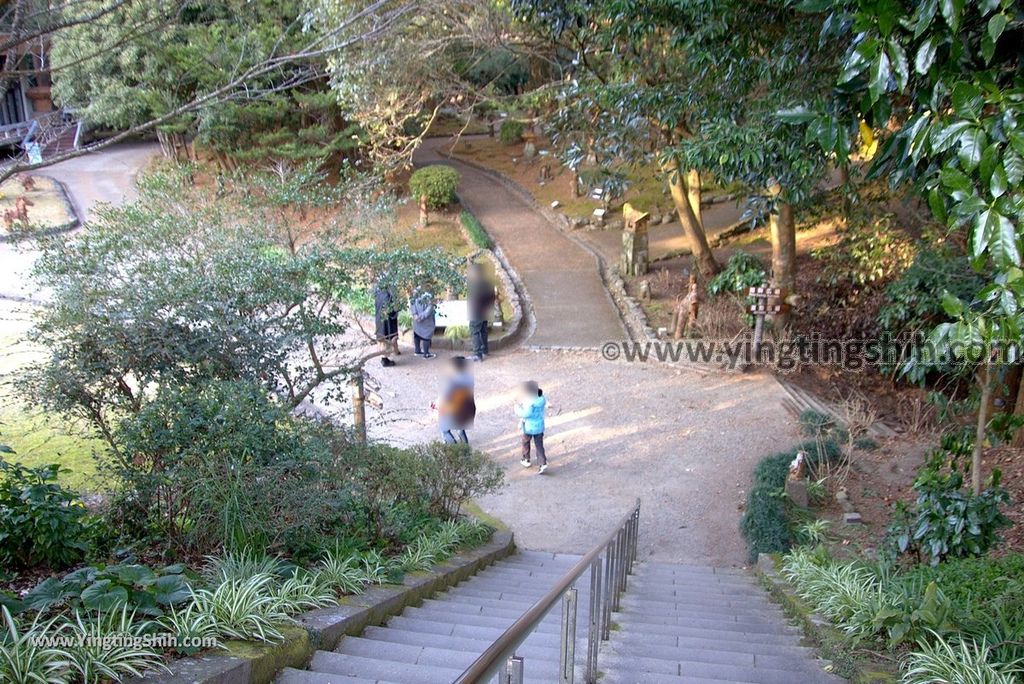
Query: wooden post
(358, 406)
(767, 300)
(424, 212)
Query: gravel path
(683, 443)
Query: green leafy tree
(173, 290)
(940, 80)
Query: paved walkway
(570, 303)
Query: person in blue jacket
(530, 409)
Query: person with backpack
(530, 408)
(456, 408)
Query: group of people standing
(456, 407)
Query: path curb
(258, 663)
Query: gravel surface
(684, 444)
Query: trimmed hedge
(437, 183)
(765, 523)
(476, 230)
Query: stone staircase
(676, 624)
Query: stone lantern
(635, 254)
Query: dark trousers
(539, 441)
(421, 344)
(449, 436)
(478, 330)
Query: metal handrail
(620, 547)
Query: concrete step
(639, 622)
(540, 647)
(495, 608)
(628, 677)
(439, 656)
(673, 605)
(387, 670)
(732, 630)
(650, 644)
(792, 658)
(463, 629)
(496, 619)
(729, 672)
(290, 675)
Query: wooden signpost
(767, 300)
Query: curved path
(570, 303)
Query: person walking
(530, 408)
(385, 316)
(424, 323)
(456, 407)
(481, 305)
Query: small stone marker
(767, 300)
(555, 204)
(530, 148)
(853, 518)
(597, 194)
(645, 290)
(634, 241)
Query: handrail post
(567, 653)
(606, 591)
(513, 673)
(594, 622)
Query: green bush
(436, 183)
(454, 474)
(476, 230)
(511, 132)
(765, 524)
(41, 523)
(946, 521)
(740, 272)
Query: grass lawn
(37, 438)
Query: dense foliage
(434, 184)
(41, 522)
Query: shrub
(740, 272)
(225, 466)
(511, 132)
(40, 521)
(476, 230)
(455, 473)
(948, 522)
(765, 524)
(242, 609)
(437, 183)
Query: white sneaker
(543, 467)
(524, 463)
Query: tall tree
(940, 81)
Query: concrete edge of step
(818, 631)
(321, 629)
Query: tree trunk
(358, 407)
(692, 227)
(979, 435)
(783, 236)
(1018, 411)
(693, 193)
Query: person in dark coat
(481, 307)
(385, 313)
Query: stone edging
(255, 663)
(816, 628)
